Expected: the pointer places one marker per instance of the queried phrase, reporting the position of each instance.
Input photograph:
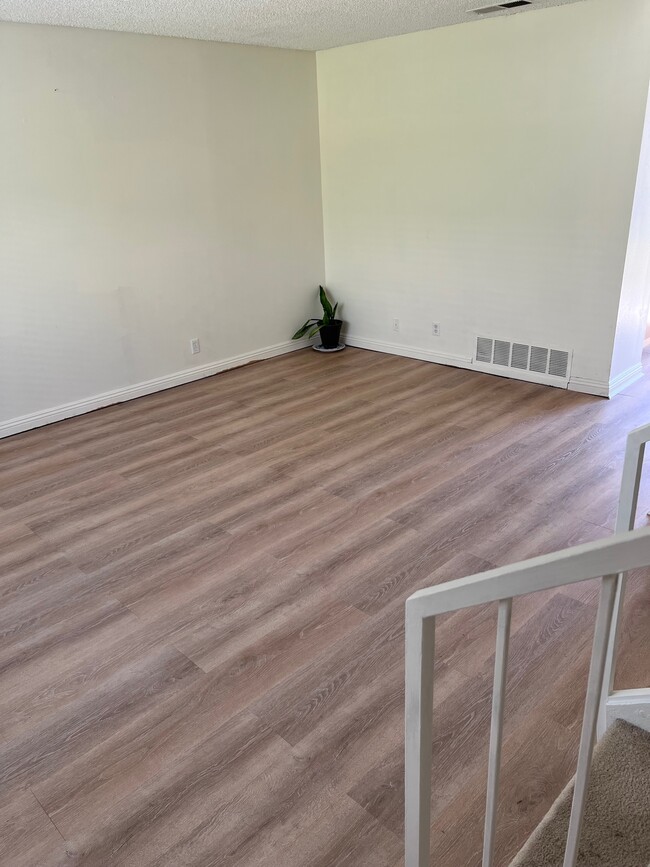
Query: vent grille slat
(538, 359)
(484, 350)
(522, 356)
(558, 363)
(502, 353)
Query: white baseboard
(407, 351)
(589, 386)
(452, 360)
(607, 388)
(129, 392)
(523, 375)
(119, 395)
(623, 380)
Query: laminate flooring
(201, 628)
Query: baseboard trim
(129, 392)
(452, 361)
(607, 388)
(408, 351)
(589, 386)
(523, 375)
(623, 380)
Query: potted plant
(329, 326)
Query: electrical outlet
(195, 345)
(435, 329)
(395, 324)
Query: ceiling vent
(523, 357)
(501, 7)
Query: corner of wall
(634, 300)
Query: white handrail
(618, 553)
(607, 557)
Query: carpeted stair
(616, 830)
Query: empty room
(324, 397)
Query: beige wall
(482, 177)
(151, 190)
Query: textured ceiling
(307, 24)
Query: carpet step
(616, 829)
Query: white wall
(151, 190)
(635, 295)
(482, 177)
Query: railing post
(588, 735)
(420, 641)
(609, 557)
(496, 728)
(627, 505)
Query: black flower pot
(330, 334)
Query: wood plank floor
(201, 629)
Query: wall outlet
(195, 345)
(435, 329)
(395, 324)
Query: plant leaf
(315, 331)
(334, 310)
(325, 303)
(304, 329)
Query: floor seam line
(56, 827)
(171, 644)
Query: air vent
(538, 359)
(501, 353)
(520, 353)
(500, 7)
(484, 349)
(558, 364)
(522, 356)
